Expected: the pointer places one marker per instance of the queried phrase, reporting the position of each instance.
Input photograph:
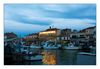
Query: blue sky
(30, 18)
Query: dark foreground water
(60, 57)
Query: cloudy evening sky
(30, 18)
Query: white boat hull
(73, 48)
(51, 47)
(84, 53)
(35, 47)
(31, 58)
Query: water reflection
(49, 57)
(56, 57)
(67, 57)
(59, 57)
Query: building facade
(85, 37)
(49, 34)
(10, 35)
(64, 37)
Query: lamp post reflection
(49, 58)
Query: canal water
(63, 57)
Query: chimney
(50, 27)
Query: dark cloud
(26, 20)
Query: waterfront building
(49, 34)
(90, 35)
(64, 37)
(78, 38)
(31, 38)
(9, 35)
(85, 37)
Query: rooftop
(87, 28)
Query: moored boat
(50, 45)
(71, 46)
(33, 58)
(36, 47)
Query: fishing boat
(50, 45)
(86, 53)
(71, 46)
(33, 58)
(32, 46)
(35, 47)
(93, 49)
